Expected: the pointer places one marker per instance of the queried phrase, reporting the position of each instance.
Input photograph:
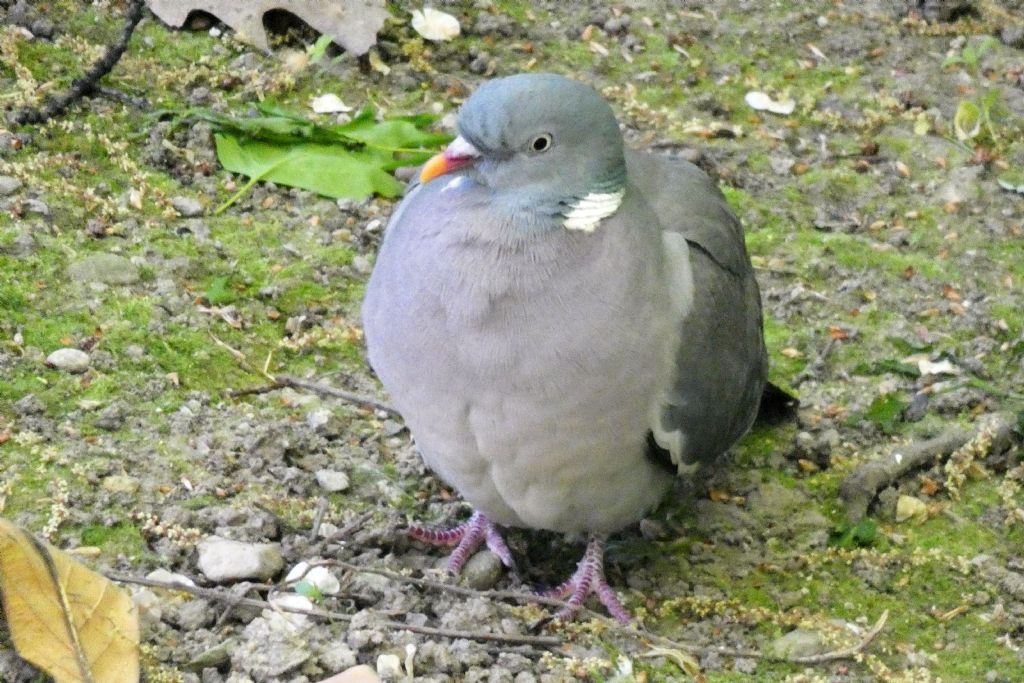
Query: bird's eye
(541, 143)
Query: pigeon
(565, 325)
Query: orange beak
(458, 154)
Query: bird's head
(540, 142)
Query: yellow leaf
(66, 619)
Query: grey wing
(721, 362)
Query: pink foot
(589, 580)
(466, 538)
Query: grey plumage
(532, 347)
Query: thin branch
(90, 80)
(632, 631)
(859, 488)
(286, 381)
(213, 594)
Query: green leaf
(318, 50)
(886, 411)
(908, 347)
(1012, 180)
(220, 293)
(967, 121)
(330, 170)
(308, 590)
(887, 365)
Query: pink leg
(466, 538)
(589, 579)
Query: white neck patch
(587, 212)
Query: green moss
(122, 539)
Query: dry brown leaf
(353, 24)
(63, 617)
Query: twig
(611, 624)
(240, 357)
(90, 80)
(343, 532)
(222, 596)
(285, 381)
(318, 519)
(861, 486)
(122, 97)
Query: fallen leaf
(929, 487)
(352, 23)
(763, 102)
(69, 621)
(434, 24)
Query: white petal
(329, 104)
(762, 102)
(435, 25)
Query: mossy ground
(865, 247)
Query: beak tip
(435, 166)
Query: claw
(589, 579)
(466, 538)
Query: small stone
(110, 269)
(70, 360)
(389, 667)
(223, 560)
(42, 28)
(215, 657)
(9, 185)
(1013, 36)
(112, 417)
(362, 264)
(188, 207)
(29, 405)
(357, 674)
(193, 615)
(332, 481)
(797, 643)
(483, 571)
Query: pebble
(42, 28)
(797, 643)
(111, 269)
(29, 405)
(482, 571)
(332, 481)
(223, 560)
(9, 185)
(216, 656)
(389, 667)
(357, 674)
(70, 360)
(188, 207)
(1013, 36)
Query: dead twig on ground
(632, 631)
(861, 486)
(217, 595)
(89, 82)
(279, 382)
